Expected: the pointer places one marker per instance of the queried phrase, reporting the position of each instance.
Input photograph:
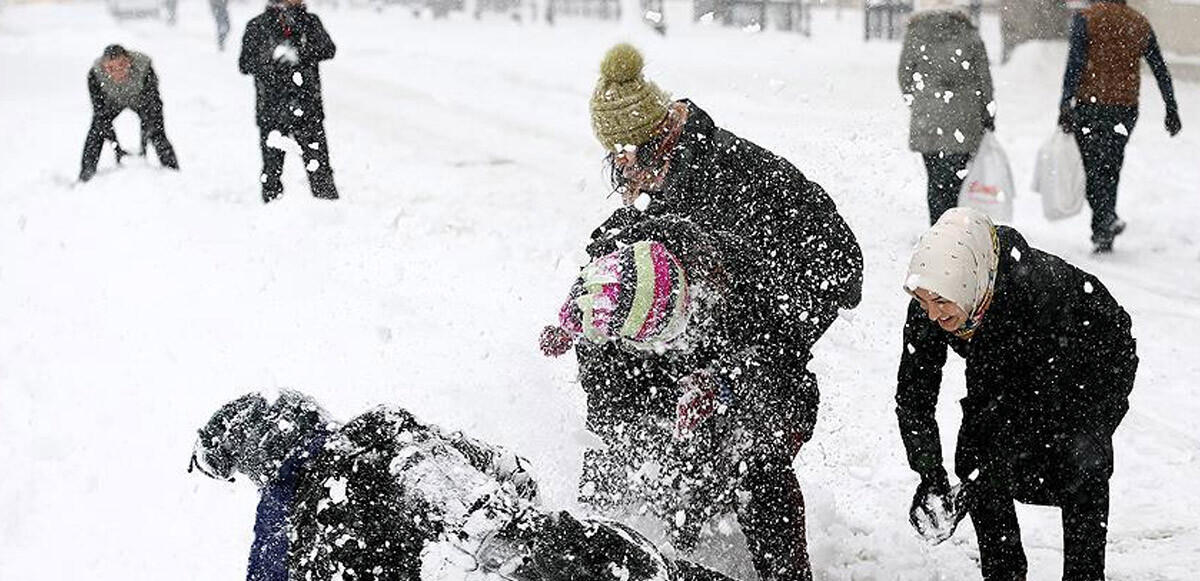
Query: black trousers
(1075, 478)
(1102, 131)
(310, 136)
(945, 173)
(153, 132)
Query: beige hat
(956, 258)
(626, 108)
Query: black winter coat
(799, 263)
(376, 525)
(1053, 360)
(286, 93)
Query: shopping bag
(988, 186)
(1059, 177)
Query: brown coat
(1117, 39)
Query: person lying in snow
(387, 497)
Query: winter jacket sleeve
(256, 54)
(316, 45)
(150, 94)
(918, 384)
(983, 71)
(907, 66)
(1076, 60)
(1162, 75)
(96, 94)
(501, 464)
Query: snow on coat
(946, 78)
(1053, 359)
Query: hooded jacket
(945, 76)
(286, 93)
(1052, 359)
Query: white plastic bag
(988, 186)
(1059, 177)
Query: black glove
(1066, 119)
(936, 508)
(1174, 125)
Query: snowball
(1120, 128)
(1016, 254)
(298, 78)
(1087, 287)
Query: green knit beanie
(626, 108)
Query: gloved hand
(555, 341)
(1174, 125)
(702, 396)
(285, 52)
(936, 508)
(1066, 119)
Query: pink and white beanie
(638, 295)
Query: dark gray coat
(946, 78)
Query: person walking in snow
(674, 158)
(946, 81)
(1100, 100)
(281, 48)
(1050, 363)
(123, 79)
(220, 11)
(388, 497)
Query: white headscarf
(956, 259)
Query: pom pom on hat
(626, 108)
(622, 63)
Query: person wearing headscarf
(946, 80)
(1050, 362)
(704, 400)
(388, 497)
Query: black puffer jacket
(1053, 360)
(286, 93)
(798, 261)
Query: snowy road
(132, 307)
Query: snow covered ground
(133, 306)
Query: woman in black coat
(1050, 364)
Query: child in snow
(123, 79)
(697, 384)
(387, 497)
(1050, 364)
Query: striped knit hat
(638, 294)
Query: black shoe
(87, 174)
